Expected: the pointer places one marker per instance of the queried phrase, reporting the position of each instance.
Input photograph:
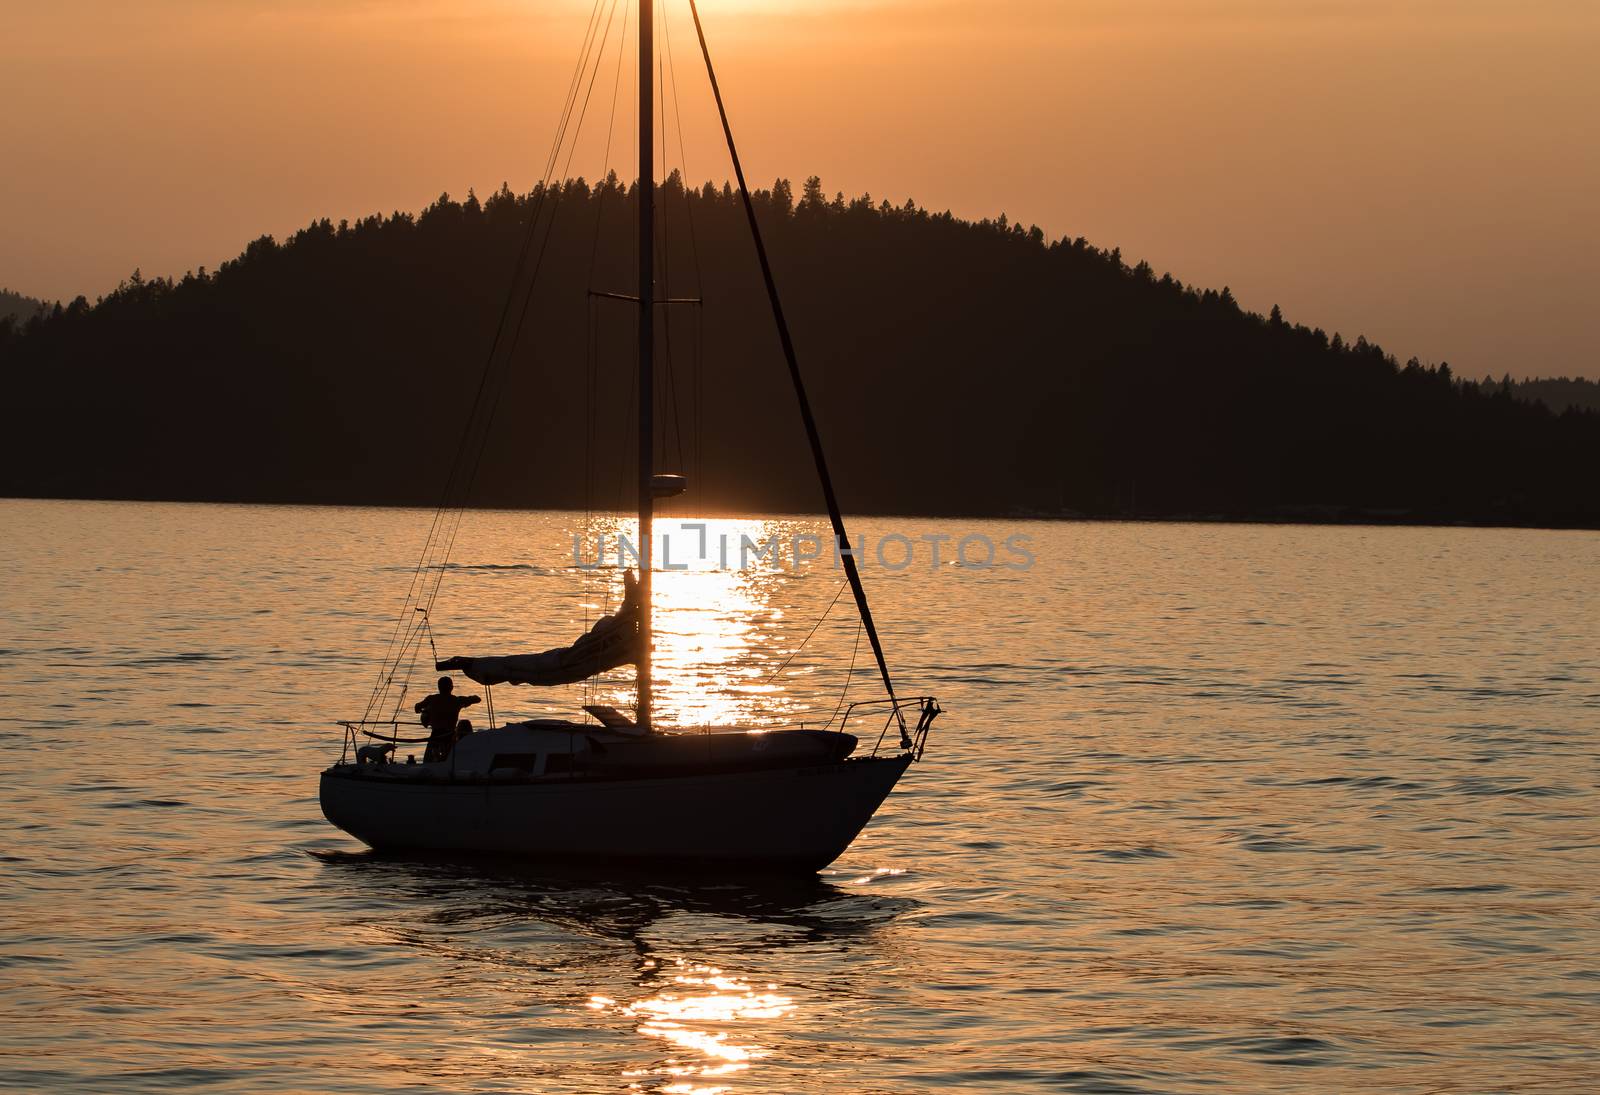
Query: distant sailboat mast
(647, 304)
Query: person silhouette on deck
(440, 713)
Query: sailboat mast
(647, 308)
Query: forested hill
(1557, 393)
(958, 368)
(16, 307)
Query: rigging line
(591, 473)
(522, 317)
(428, 627)
(775, 673)
(851, 672)
(630, 414)
(694, 256)
(499, 394)
(591, 397)
(669, 392)
(541, 198)
(591, 378)
(503, 379)
(663, 257)
(418, 580)
(683, 158)
(638, 168)
(589, 91)
(611, 128)
(592, 363)
(497, 389)
(400, 698)
(581, 553)
(389, 683)
(590, 367)
(699, 363)
(572, 88)
(533, 221)
(415, 646)
(628, 421)
(591, 476)
(852, 573)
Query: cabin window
(526, 762)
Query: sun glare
(716, 616)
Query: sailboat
(620, 789)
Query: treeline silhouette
(1558, 392)
(957, 368)
(17, 308)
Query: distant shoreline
(1346, 520)
(1051, 380)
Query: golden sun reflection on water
(718, 626)
(699, 1009)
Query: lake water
(1212, 809)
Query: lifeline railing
(354, 727)
(914, 740)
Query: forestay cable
(847, 556)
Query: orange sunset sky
(1426, 173)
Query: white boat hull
(795, 819)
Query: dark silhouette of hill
(1558, 393)
(18, 308)
(957, 368)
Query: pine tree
(813, 200)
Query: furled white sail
(613, 641)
